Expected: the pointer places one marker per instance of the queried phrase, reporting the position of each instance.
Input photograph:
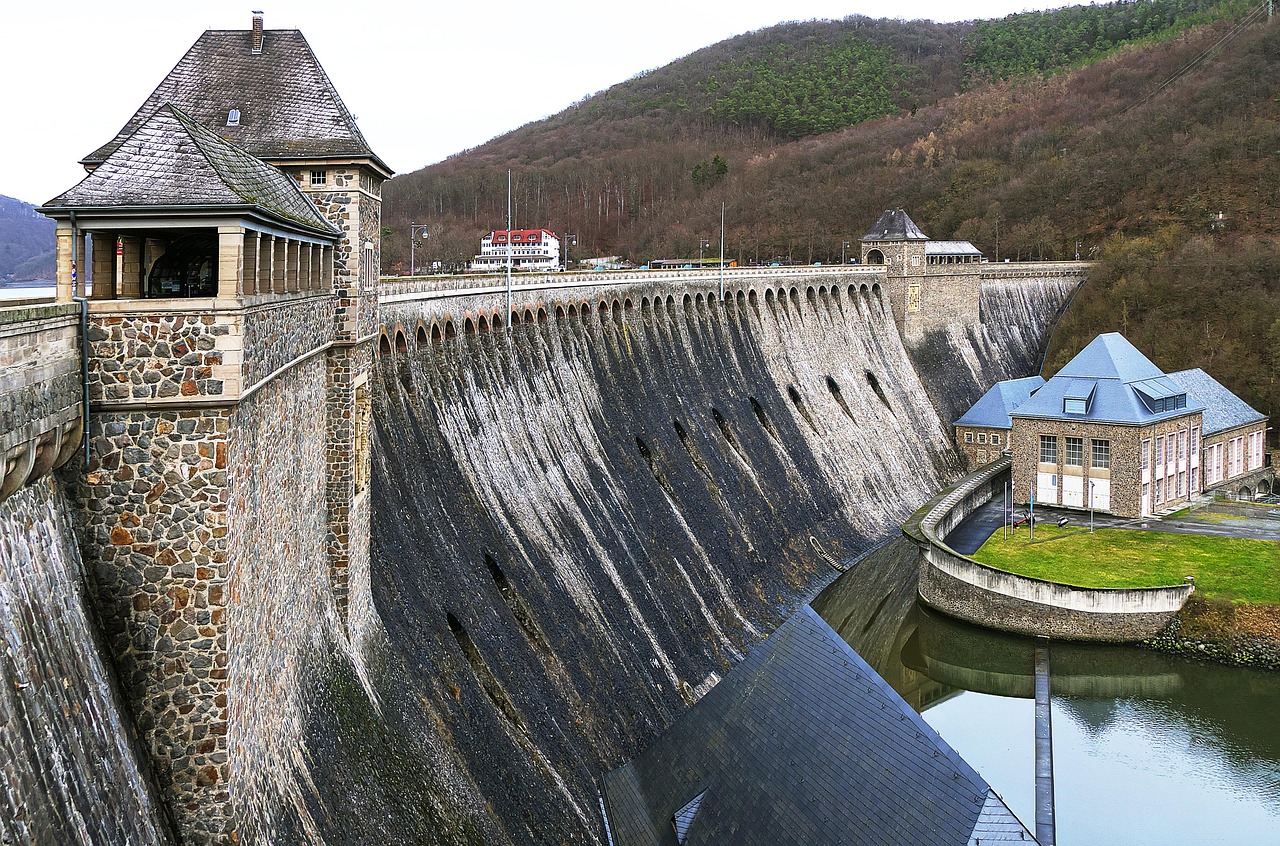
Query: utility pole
(722, 253)
(508, 251)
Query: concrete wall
(959, 586)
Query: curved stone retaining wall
(957, 585)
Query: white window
(995, 439)
(1048, 449)
(233, 117)
(982, 437)
(968, 437)
(1145, 456)
(1101, 455)
(319, 178)
(1160, 456)
(1074, 452)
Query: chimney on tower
(257, 32)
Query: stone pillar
(293, 261)
(252, 248)
(279, 265)
(104, 266)
(230, 261)
(65, 272)
(130, 266)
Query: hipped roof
(289, 109)
(171, 161)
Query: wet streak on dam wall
(577, 526)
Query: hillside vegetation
(26, 242)
(1144, 135)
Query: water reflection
(1148, 748)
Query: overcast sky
(424, 79)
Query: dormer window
(233, 117)
(319, 178)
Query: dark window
(188, 268)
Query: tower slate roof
(895, 225)
(289, 109)
(170, 161)
(803, 743)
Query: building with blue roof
(982, 432)
(1114, 432)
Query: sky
(425, 80)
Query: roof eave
(63, 212)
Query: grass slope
(1224, 568)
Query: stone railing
(961, 587)
(1034, 269)
(398, 289)
(41, 412)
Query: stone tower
(932, 284)
(234, 230)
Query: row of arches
(397, 339)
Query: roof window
(233, 117)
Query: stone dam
(578, 525)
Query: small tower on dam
(931, 283)
(230, 234)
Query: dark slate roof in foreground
(803, 743)
(895, 225)
(288, 107)
(992, 408)
(1223, 410)
(171, 161)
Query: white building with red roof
(527, 249)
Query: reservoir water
(1148, 748)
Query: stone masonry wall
(1125, 471)
(281, 615)
(153, 527)
(141, 354)
(157, 355)
(280, 332)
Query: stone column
(252, 255)
(293, 260)
(230, 261)
(64, 269)
(279, 264)
(104, 266)
(130, 266)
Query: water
(1148, 748)
(35, 290)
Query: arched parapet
(386, 346)
(961, 587)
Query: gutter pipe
(84, 334)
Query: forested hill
(26, 242)
(1146, 132)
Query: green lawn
(1224, 568)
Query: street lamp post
(415, 229)
(703, 243)
(844, 245)
(570, 240)
(1090, 506)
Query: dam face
(578, 527)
